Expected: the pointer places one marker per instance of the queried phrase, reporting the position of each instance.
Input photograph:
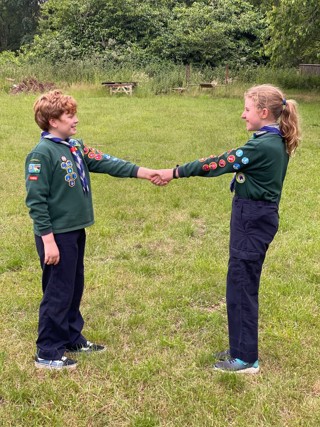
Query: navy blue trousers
(253, 226)
(60, 320)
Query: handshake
(158, 177)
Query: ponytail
(289, 126)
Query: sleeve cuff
(135, 172)
(181, 172)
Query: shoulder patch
(34, 168)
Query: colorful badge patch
(240, 178)
(245, 160)
(213, 165)
(33, 178)
(222, 163)
(236, 166)
(206, 168)
(231, 158)
(239, 153)
(34, 168)
(70, 176)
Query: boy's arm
(99, 162)
(38, 187)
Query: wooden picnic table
(118, 87)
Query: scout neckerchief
(76, 156)
(274, 128)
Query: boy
(60, 203)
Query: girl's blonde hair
(284, 111)
(52, 105)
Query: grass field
(155, 277)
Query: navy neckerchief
(269, 129)
(76, 156)
(262, 131)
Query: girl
(259, 169)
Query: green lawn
(156, 263)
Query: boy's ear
(52, 123)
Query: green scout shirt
(55, 197)
(260, 167)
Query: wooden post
(227, 74)
(188, 73)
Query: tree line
(205, 32)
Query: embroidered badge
(245, 160)
(70, 176)
(213, 165)
(106, 156)
(34, 168)
(239, 153)
(63, 158)
(236, 166)
(231, 158)
(240, 178)
(33, 178)
(222, 163)
(206, 168)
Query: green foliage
(294, 32)
(215, 33)
(201, 32)
(18, 21)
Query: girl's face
(254, 117)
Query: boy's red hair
(52, 105)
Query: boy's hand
(163, 175)
(152, 175)
(51, 251)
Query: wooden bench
(120, 87)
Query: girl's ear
(264, 113)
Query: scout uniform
(59, 199)
(259, 170)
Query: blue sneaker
(237, 366)
(63, 363)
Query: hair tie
(284, 102)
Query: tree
(294, 32)
(214, 32)
(18, 22)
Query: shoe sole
(55, 368)
(86, 351)
(251, 370)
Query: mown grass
(155, 277)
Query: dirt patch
(31, 84)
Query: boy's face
(65, 126)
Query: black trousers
(252, 228)
(60, 320)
